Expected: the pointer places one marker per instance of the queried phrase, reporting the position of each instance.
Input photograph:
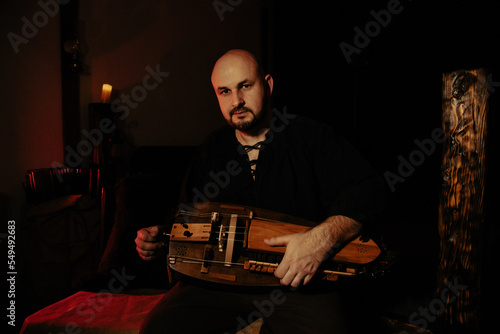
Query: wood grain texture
(461, 215)
(356, 251)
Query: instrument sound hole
(362, 249)
(182, 250)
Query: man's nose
(237, 100)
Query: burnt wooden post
(461, 216)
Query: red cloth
(88, 312)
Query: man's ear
(269, 83)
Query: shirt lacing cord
(253, 163)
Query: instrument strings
(194, 260)
(240, 230)
(200, 215)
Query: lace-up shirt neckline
(251, 150)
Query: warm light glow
(106, 93)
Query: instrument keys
(263, 267)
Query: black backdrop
(387, 97)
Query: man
(287, 164)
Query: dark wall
(383, 99)
(387, 97)
(182, 38)
(30, 81)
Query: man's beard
(244, 125)
(254, 122)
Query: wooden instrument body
(224, 243)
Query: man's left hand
(302, 257)
(306, 251)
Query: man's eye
(224, 91)
(246, 86)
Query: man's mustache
(239, 109)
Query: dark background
(388, 97)
(385, 99)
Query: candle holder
(103, 127)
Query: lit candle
(106, 93)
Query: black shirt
(304, 169)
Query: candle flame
(106, 93)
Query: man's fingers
(148, 249)
(148, 234)
(278, 241)
(148, 246)
(145, 255)
(307, 279)
(294, 275)
(281, 270)
(147, 243)
(144, 235)
(154, 231)
(295, 280)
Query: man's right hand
(148, 242)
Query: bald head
(237, 59)
(242, 89)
